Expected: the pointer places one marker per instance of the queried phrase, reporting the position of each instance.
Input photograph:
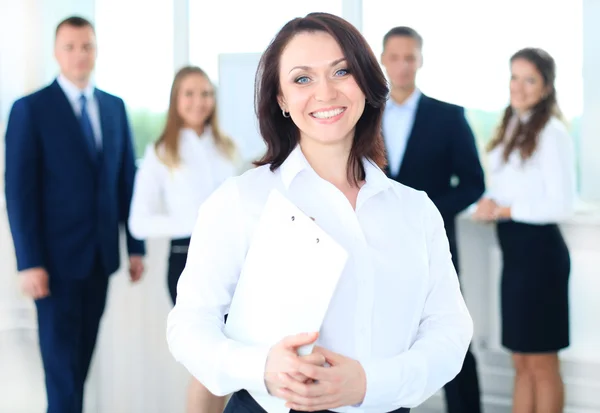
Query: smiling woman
(189, 160)
(532, 190)
(324, 87)
(320, 98)
(308, 91)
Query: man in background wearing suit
(431, 148)
(69, 178)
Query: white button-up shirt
(73, 94)
(398, 121)
(397, 308)
(541, 189)
(165, 200)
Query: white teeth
(328, 113)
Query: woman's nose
(325, 91)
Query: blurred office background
(467, 44)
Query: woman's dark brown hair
(170, 135)
(281, 134)
(526, 135)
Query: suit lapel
(412, 145)
(66, 112)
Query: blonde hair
(169, 138)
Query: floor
(21, 377)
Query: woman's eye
(302, 79)
(342, 72)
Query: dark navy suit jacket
(441, 159)
(65, 204)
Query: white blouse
(397, 308)
(541, 189)
(165, 200)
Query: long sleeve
(444, 334)
(466, 167)
(23, 186)
(555, 199)
(195, 326)
(147, 218)
(127, 177)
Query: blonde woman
(189, 161)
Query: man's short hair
(403, 31)
(74, 21)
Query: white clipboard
(291, 271)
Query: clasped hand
(487, 210)
(306, 382)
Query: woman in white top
(532, 169)
(189, 161)
(397, 328)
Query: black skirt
(534, 287)
(177, 260)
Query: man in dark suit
(431, 148)
(69, 178)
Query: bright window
(242, 26)
(467, 45)
(135, 61)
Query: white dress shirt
(397, 308)
(398, 121)
(165, 200)
(541, 189)
(73, 94)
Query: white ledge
(586, 213)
